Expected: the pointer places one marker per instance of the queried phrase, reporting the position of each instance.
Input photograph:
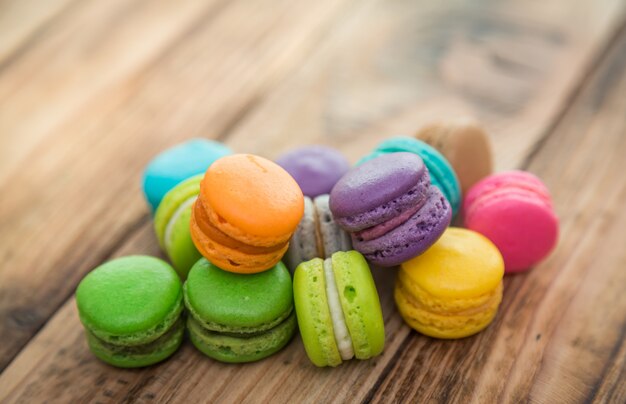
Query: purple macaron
(315, 168)
(390, 208)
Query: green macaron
(236, 317)
(171, 224)
(338, 309)
(131, 310)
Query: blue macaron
(178, 163)
(442, 174)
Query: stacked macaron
(453, 289)
(390, 208)
(240, 297)
(440, 171)
(226, 221)
(247, 211)
(239, 318)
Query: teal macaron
(176, 164)
(171, 225)
(239, 317)
(131, 310)
(338, 309)
(442, 174)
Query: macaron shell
(181, 193)
(445, 303)
(524, 229)
(445, 325)
(514, 210)
(462, 264)
(437, 164)
(234, 349)
(231, 259)
(182, 251)
(454, 289)
(316, 169)
(334, 238)
(176, 164)
(228, 302)
(412, 237)
(441, 172)
(131, 300)
(154, 352)
(314, 319)
(246, 194)
(465, 145)
(510, 181)
(360, 303)
(172, 220)
(369, 185)
(303, 243)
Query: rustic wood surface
(91, 90)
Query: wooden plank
(510, 64)
(51, 232)
(117, 40)
(559, 336)
(58, 354)
(24, 21)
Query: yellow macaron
(454, 289)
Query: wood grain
(561, 326)
(347, 75)
(511, 67)
(51, 232)
(115, 42)
(24, 22)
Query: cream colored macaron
(465, 144)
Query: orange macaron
(246, 212)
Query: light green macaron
(338, 309)
(171, 224)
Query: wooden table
(91, 90)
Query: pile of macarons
(259, 250)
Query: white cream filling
(342, 335)
(170, 225)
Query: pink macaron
(514, 210)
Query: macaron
(466, 146)
(514, 210)
(171, 225)
(390, 208)
(317, 235)
(247, 211)
(176, 164)
(239, 318)
(131, 310)
(338, 309)
(442, 174)
(315, 168)
(454, 289)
